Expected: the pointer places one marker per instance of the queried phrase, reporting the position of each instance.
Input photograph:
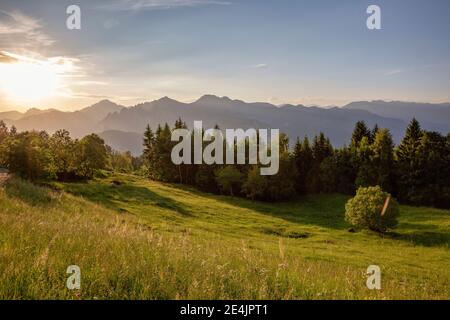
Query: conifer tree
(383, 160)
(321, 150)
(359, 133)
(303, 159)
(366, 175)
(433, 155)
(149, 154)
(409, 172)
(373, 133)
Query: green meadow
(138, 239)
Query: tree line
(36, 155)
(417, 171)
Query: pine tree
(383, 159)
(321, 150)
(411, 141)
(366, 176)
(149, 140)
(182, 169)
(303, 159)
(434, 162)
(180, 124)
(359, 133)
(345, 171)
(281, 186)
(409, 171)
(373, 133)
(149, 154)
(166, 170)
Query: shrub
(364, 210)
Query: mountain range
(122, 127)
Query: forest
(416, 171)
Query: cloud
(259, 66)
(6, 58)
(394, 72)
(61, 65)
(136, 5)
(20, 31)
(90, 96)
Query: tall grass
(123, 255)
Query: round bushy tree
(365, 210)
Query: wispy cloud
(259, 66)
(88, 95)
(18, 30)
(6, 58)
(61, 65)
(136, 5)
(394, 72)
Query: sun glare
(26, 80)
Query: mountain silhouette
(122, 127)
(432, 116)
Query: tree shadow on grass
(112, 196)
(322, 211)
(422, 238)
(428, 235)
(328, 211)
(325, 211)
(28, 193)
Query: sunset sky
(309, 52)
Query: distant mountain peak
(166, 99)
(35, 111)
(107, 101)
(104, 102)
(210, 98)
(101, 109)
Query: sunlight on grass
(147, 240)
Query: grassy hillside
(133, 238)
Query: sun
(28, 82)
(24, 79)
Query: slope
(133, 238)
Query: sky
(287, 51)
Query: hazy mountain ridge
(122, 127)
(169, 110)
(79, 123)
(432, 116)
(10, 115)
(123, 141)
(100, 110)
